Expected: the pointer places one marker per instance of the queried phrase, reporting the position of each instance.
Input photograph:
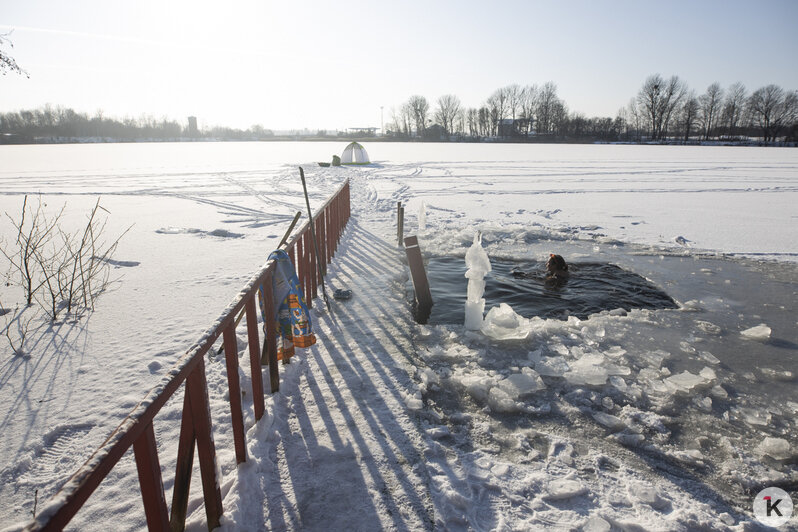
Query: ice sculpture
(478, 265)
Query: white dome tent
(355, 153)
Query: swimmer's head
(556, 264)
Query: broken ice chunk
(521, 384)
(477, 385)
(709, 357)
(708, 374)
(609, 421)
(564, 489)
(552, 366)
(708, 327)
(776, 448)
(655, 358)
(752, 416)
(703, 403)
(584, 373)
(436, 433)
(628, 439)
(619, 383)
(500, 401)
(502, 323)
(615, 351)
(686, 382)
(760, 333)
(596, 524)
(647, 494)
(777, 375)
(719, 392)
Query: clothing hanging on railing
(294, 325)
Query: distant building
(435, 133)
(192, 130)
(362, 131)
(509, 128)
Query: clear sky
(334, 64)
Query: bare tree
(485, 124)
(621, 123)
(16, 328)
(529, 102)
(472, 119)
(658, 99)
(498, 106)
(56, 268)
(710, 103)
(460, 122)
(772, 109)
(689, 114)
(559, 118)
(34, 231)
(419, 107)
(733, 107)
(547, 102)
(7, 63)
(514, 97)
(447, 111)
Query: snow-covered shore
(441, 429)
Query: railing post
(418, 275)
(197, 390)
(303, 269)
(400, 223)
(149, 469)
(322, 244)
(270, 346)
(254, 356)
(234, 391)
(313, 270)
(330, 232)
(185, 462)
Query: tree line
(664, 110)
(57, 124)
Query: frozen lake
(691, 392)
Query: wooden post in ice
(400, 222)
(419, 276)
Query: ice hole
(592, 287)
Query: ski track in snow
(386, 424)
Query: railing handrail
(79, 487)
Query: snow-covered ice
(660, 420)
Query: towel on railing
(294, 326)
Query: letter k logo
(773, 507)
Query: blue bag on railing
(291, 315)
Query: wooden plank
(313, 269)
(234, 392)
(400, 224)
(197, 389)
(254, 357)
(185, 462)
(150, 481)
(418, 273)
(271, 339)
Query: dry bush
(58, 269)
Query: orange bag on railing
(294, 326)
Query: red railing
(196, 425)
